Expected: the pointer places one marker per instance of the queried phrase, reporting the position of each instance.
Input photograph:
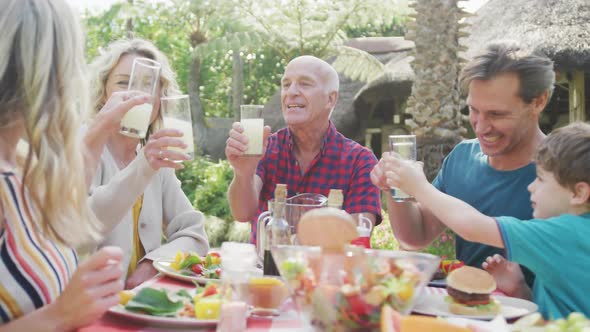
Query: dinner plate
(120, 311)
(510, 307)
(163, 266)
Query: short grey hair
(533, 68)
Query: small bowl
(345, 291)
(267, 294)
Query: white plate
(510, 307)
(120, 311)
(163, 266)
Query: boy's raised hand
(406, 175)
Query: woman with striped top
(43, 203)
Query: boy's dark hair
(566, 154)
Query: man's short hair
(566, 153)
(533, 69)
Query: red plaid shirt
(341, 164)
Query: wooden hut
(560, 29)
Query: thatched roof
(560, 28)
(396, 81)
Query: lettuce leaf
(189, 261)
(154, 302)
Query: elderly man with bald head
(309, 155)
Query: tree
(435, 102)
(319, 28)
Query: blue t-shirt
(467, 175)
(557, 250)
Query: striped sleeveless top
(33, 269)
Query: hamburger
(469, 291)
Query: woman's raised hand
(93, 289)
(110, 115)
(157, 153)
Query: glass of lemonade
(176, 112)
(145, 75)
(253, 123)
(405, 146)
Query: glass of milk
(253, 123)
(405, 146)
(145, 75)
(176, 111)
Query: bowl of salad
(345, 290)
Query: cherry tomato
(197, 268)
(210, 290)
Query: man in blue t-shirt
(508, 88)
(555, 244)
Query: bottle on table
(277, 230)
(335, 198)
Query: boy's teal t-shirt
(466, 175)
(557, 250)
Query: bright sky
(470, 5)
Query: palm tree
(435, 103)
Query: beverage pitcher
(295, 207)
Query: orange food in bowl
(267, 292)
(425, 323)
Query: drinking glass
(145, 75)
(405, 146)
(253, 123)
(176, 111)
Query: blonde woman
(135, 192)
(43, 204)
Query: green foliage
(216, 229)
(167, 25)
(395, 27)
(267, 33)
(443, 246)
(205, 183)
(210, 196)
(312, 27)
(383, 238)
(262, 75)
(239, 232)
(193, 175)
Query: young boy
(555, 245)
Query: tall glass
(253, 123)
(145, 75)
(405, 146)
(176, 111)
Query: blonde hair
(42, 81)
(103, 65)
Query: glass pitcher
(295, 207)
